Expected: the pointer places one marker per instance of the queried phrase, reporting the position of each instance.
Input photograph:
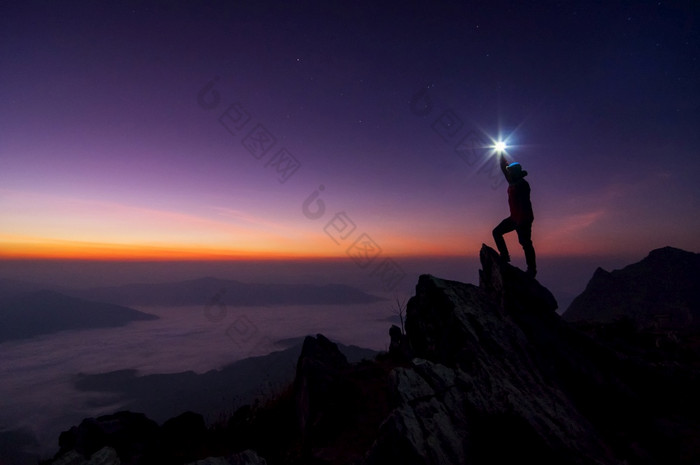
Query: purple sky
(111, 146)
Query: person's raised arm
(504, 164)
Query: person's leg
(525, 239)
(504, 227)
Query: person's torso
(519, 201)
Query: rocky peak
(446, 320)
(321, 390)
(498, 376)
(514, 289)
(658, 291)
(481, 388)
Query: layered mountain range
(481, 374)
(28, 310)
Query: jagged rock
(321, 390)
(317, 380)
(482, 391)
(184, 426)
(130, 434)
(660, 290)
(428, 425)
(104, 456)
(211, 461)
(184, 438)
(514, 288)
(247, 457)
(70, 458)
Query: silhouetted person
(521, 216)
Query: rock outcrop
(105, 456)
(481, 388)
(484, 374)
(338, 405)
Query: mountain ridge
(215, 291)
(659, 290)
(27, 314)
(483, 374)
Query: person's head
(515, 171)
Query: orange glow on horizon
(33, 248)
(93, 251)
(52, 249)
(14, 247)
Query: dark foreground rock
(484, 387)
(132, 438)
(484, 374)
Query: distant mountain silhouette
(28, 314)
(234, 293)
(161, 396)
(13, 287)
(661, 290)
(485, 374)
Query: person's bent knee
(525, 242)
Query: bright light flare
(500, 146)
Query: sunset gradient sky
(199, 132)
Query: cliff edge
(483, 374)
